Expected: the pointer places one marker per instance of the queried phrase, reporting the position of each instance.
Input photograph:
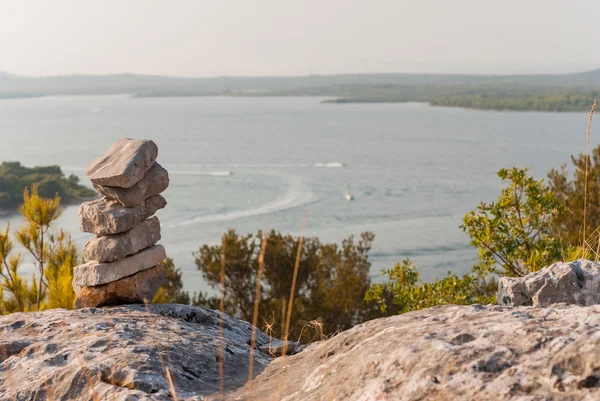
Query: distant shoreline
(49, 181)
(560, 101)
(4, 212)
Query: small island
(14, 177)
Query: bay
(246, 163)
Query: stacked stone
(123, 259)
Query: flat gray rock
(125, 163)
(576, 283)
(103, 216)
(139, 288)
(154, 182)
(95, 273)
(51, 354)
(110, 248)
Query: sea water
(249, 163)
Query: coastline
(343, 101)
(330, 99)
(12, 212)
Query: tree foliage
(39, 213)
(540, 100)
(172, 291)
(54, 255)
(331, 283)
(513, 235)
(61, 259)
(568, 226)
(49, 180)
(17, 294)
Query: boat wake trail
(215, 173)
(330, 165)
(297, 194)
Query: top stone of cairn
(125, 163)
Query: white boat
(348, 195)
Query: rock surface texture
(105, 216)
(576, 283)
(124, 259)
(120, 351)
(125, 163)
(109, 248)
(448, 353)
(131, 289)
(95, 273)
(153, 183)
(444, 353)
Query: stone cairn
(123, 259)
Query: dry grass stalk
(221, 323)
(317, 326)
(269, 330)
(165, 369)
(587, 158)
(283, 309)
(261, 263)
(587, 251)
(286, 331)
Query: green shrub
(405, 292)
(513, 235)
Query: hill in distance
(551, 92)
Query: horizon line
(13, 75)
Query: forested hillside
(551, 92)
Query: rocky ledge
(121, 353)
(451, 352)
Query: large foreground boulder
(575, 283)
(443, 353)
(448, 353)
(121, 353)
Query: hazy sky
(290, 37)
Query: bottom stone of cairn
(138, 288)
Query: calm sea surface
(414, 170)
